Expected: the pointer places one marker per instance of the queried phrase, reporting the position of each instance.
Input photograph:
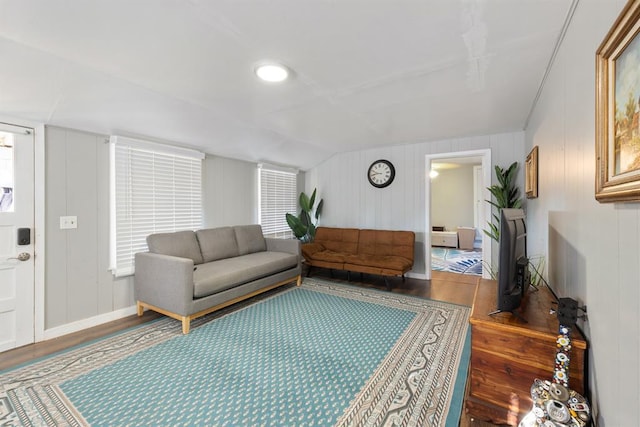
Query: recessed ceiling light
(272, 72)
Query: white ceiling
(367, 73)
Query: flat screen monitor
(513, 264)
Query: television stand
(508, 354)
(515, 313)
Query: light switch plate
(67, 222)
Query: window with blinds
(154, 189)
(277, 198)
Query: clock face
(381, 173)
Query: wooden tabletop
(533, 317)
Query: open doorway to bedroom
(456, 211)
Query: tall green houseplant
(302, 225)
(506, 195)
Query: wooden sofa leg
(309, 271)
(140, 308)
(186, 324)
(387, 284)
(299, 281)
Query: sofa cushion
(223, 274)
(217, 243)
(183, 244)
(329, 256)
(384, 262)
(343, 240)
(250, 239)
(385, 242)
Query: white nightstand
(444, 238)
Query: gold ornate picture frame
(531, 174)
(618, 110)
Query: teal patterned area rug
(322, 354)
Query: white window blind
(277, 198)
(154, 189)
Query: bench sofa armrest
(164, 281)
(308, 249)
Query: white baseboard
(79, 325)
(421, 276)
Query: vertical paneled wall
(78, 284)
(592, 249)
(350, 201)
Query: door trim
(485, 154)
(39, 221)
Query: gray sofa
(188, 274)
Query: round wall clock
(381, 173)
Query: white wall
(592, 249)
(452, 198)
(350, 201)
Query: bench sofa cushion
(384, 262)
(183, 244)
(343, 240)
(329, 256)
(385, 242)
(250, 239)
(223, 274)
(217, 243)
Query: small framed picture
(531, 174)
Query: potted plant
(303, 226)
(506, 195)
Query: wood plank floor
(450, 287)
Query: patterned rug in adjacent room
(323, 354)
(456, 261)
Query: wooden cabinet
(507, 354)
(444, 238)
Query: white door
(16, 236)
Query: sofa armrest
(164, 281)
(308, 249)
(290, 246)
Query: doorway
(481, 210)
(17, 221)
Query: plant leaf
(304, 202)
(299, 230)
(305, 219)
(313, 200)
(319, 209)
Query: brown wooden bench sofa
(381, 252)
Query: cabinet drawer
(533, 354)
(444, 238)
(502, 381)
(513, 346)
